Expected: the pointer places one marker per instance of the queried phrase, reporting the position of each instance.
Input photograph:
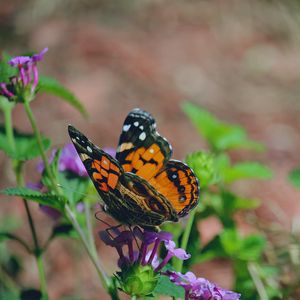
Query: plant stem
(7, 110)
(42, 276)
(178, 264)
(102, 276)
(18, 168)
(40, 143)
(133, 297)
(89, 227)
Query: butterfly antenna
(136, 242)
(102, 221)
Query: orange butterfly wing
(177, 182)
(141, 149)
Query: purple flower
(197, 288)
(27, 78)
(144, 256)
(69, 160)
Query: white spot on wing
(174, 176)
(126, 127)
(141, 127)
(136, 123)
(142, 136)
(88, 148)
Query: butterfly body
(141, 186)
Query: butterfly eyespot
(182, 198)
(174, 176)
(181, 189)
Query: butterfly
(142, 185)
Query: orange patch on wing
(104, 173)
(114, 167)
(97, 176)
(96, 165)
(147, 171)
(112, 180)
(105, 163)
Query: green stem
(40, 143)
(7, 110)
(133, 297)
(42, 276)
(102, 276)
(89, 227)
(178, 264)
(18, 168)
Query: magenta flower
(27, 78)
(197, 288)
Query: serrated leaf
(42, 198)
(52, 86)
(220, 135)
(167, 288)
(26, 145)
(294, 177)
(245, 170)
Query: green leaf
(220, 135)
(252, 248)
(294, 177)
(213, 249)
(26, 145)
(245, 170)
(6, 71)
(231, 241)
(51, 86)
(167, 288)
(42, 198)
(203, 165)
(73, 186)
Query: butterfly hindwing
(177, 182)
(141, 149)
(103, 169)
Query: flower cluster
(25, 82)
(197, 288)
(140, 269)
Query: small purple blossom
(68, 161)
(197, 288)
(27, 78)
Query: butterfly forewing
(177, 182)
(103, 169)
(141, 149)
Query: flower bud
(138, 280)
